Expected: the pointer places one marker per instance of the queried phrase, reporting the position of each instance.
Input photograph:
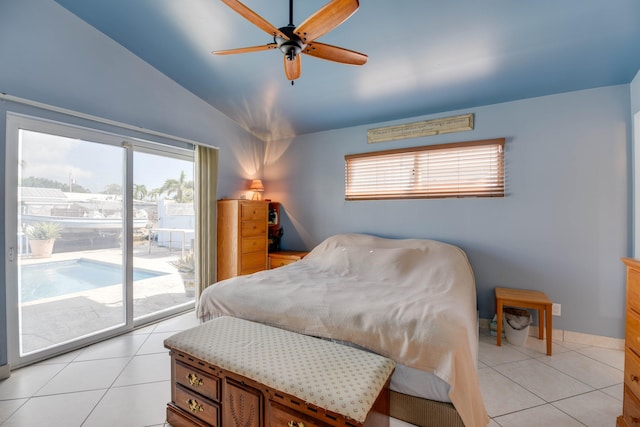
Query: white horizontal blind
(465, 169)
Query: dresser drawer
(249, 262)
(632, 372)
(253, 228)
(633, 290)
(198, 381)
(198, 406)
(633, 331)
(631, 408)
(281, 416)
(253, 244)
(253, 211)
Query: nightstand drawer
(198, 381)
(280, 262)
(282, 258)
(198, 406)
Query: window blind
(463, 169)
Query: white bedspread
(410, 300)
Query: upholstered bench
(230, 372)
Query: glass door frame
(16, 122)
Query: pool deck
(50, 321)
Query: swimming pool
(52, 279)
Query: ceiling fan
(294, 40)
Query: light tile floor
(124, 382)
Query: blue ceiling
(425, 56)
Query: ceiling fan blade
(246, 49)
(254, 18)
(292, 69)
(326, 19)
(335, 54)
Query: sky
(92, 165)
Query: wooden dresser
(229, 372)
(631, 403)
(242, 237)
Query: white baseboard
(5, 371)
(573, 337)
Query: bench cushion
(328, 375)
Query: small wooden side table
(525, 299)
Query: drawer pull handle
(194, 406)
(296, 424)
(635, 420)
(633, 378)
(194, 380)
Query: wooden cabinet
(281, 258)
(631, 403)
(242, 237)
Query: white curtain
(206, 215)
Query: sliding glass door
(70, 225)
(163, 196)
(104, 231)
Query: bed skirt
(423, 412)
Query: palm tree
(113, 189)
(140, 191)
(181, 189)
(154, 194)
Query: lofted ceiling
(425, 56)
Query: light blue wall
(634, 89)
(635, 94)
(49, 55)
(561, 229)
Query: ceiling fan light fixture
(290, 48)
(290, 51)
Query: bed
(411, 300)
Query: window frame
(495, 168)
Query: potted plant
(186, 266)
(42, 236)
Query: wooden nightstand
(278, 259)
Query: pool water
(52, 279)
